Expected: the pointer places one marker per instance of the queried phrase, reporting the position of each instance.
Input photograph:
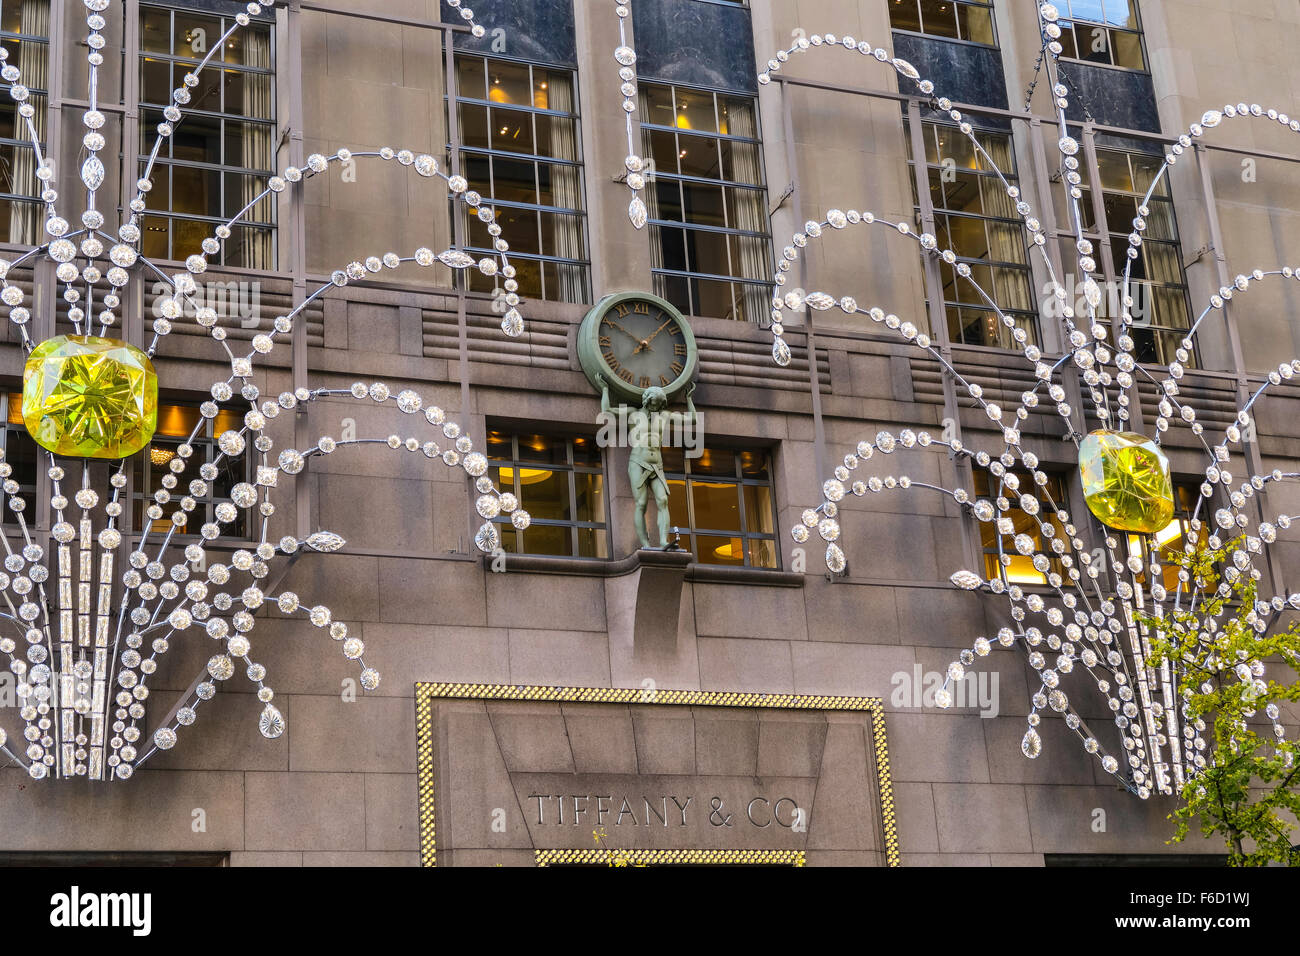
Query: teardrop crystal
(271, 723)
(92, 172)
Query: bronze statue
(646, 427)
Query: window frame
(1069, 21)
(151, 112)
(1118, 240)
(26, 491)
(691, 533)
(1061, 499)
(932, 128)
(246, 528)
(920, 19)
(570, 468)
(21, 142)
(687, 275)
(490, 154)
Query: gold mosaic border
(425, 693)
(670, 857)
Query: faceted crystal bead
(88, 397)
(1126, 481)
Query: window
(153, 469)
(24, 30)
(954, 19)
(1160, 310)
(974, 216)
(709, 233)
(1102, 31)
(520, 147)
(1020, 568)
(721, 503)
(20, 452)
(217, 160)
(1174, 537)
(560, 482)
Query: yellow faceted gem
(1126, 481)
(87, 397)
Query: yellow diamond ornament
(87, 397)
(1126, 481)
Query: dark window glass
(954, 19)
(222, 152)
(707, 177)
(977, 220)
(520, 148)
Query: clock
(635, 341)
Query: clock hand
(646, 343)
(625, 332)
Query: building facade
(531, 115)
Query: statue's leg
(638, 522)
(661, 511)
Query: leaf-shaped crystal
(92, 172)
(325, 541)
(905, 68)
(819, 301)
(966, 580)
(456, 259)
(636, 212)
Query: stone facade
(340, 786)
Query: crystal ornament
(271, 723)
(1126, 481)
(88, 397)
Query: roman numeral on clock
(677, 368)
(645, 381)
(679, 348)
(625, 375)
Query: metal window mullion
(1117, 329)
(935, 299)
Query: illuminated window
(1161, 316)
(24, 30)
(722, 504)
(1174, 537)
(175, 425)
(1102, 31)
(520, 147)
(710, 244)
(954, 19)
(217, 160)
(560, 482)
(1020, 568)
(20, 453)
(976, 219)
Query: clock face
(635, 342)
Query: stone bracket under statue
(643, 603)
